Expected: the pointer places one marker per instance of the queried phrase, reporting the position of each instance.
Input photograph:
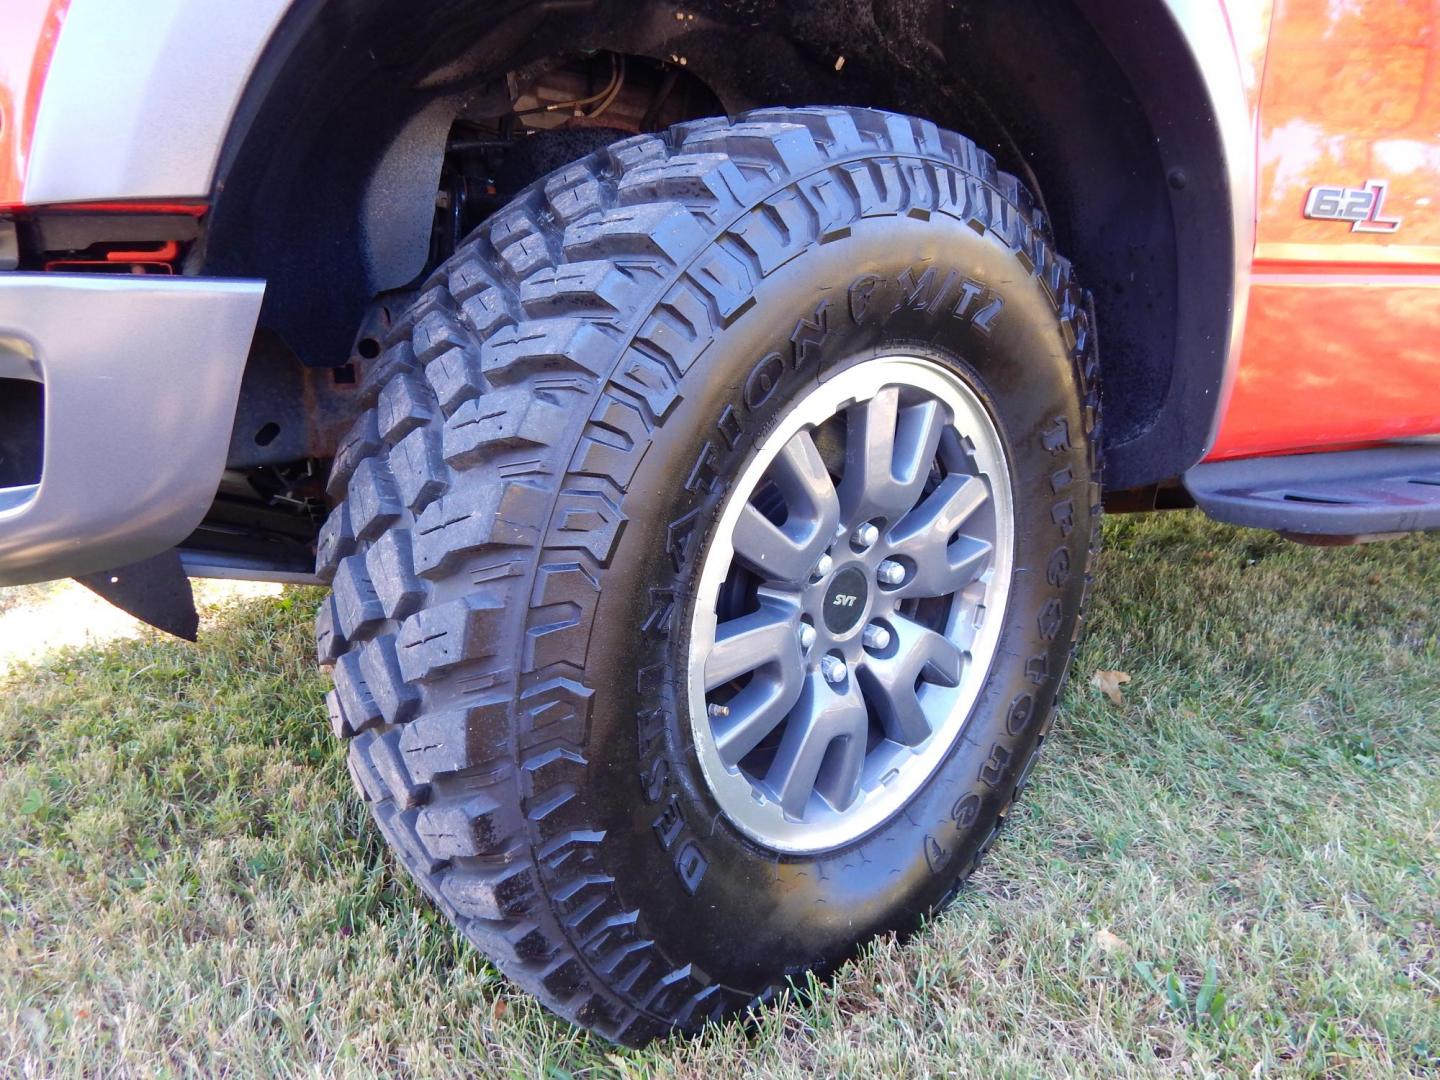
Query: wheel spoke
(890, 681)
(942, 566)
(888, 452)
(764, 642)
(800, 474)
(788, 552)
(822, 749)
(761, 638)
(756, 711)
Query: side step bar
(1388, 489)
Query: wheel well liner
(1106, 112)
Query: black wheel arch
(327, 178)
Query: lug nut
(807, 636)
(833, 668)
(865, 536)
(717, 711)
(890, 572)
(876, 637)
(822, 568)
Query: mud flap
(154, 590)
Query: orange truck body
(1341, 345)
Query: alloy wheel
(850, 603)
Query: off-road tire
(522, 504)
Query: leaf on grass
(1210, 1001)
(1175, 993)
(33, 804)
(1146, 971)
(1108, 942)
(1109, 683)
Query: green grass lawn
(1236, 871)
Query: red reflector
(165, 253)
(191, 209)
(91, 266)
(159, 258)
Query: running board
(1389, 489)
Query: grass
(1234, 872)
(17, 595)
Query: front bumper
(140, 377)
